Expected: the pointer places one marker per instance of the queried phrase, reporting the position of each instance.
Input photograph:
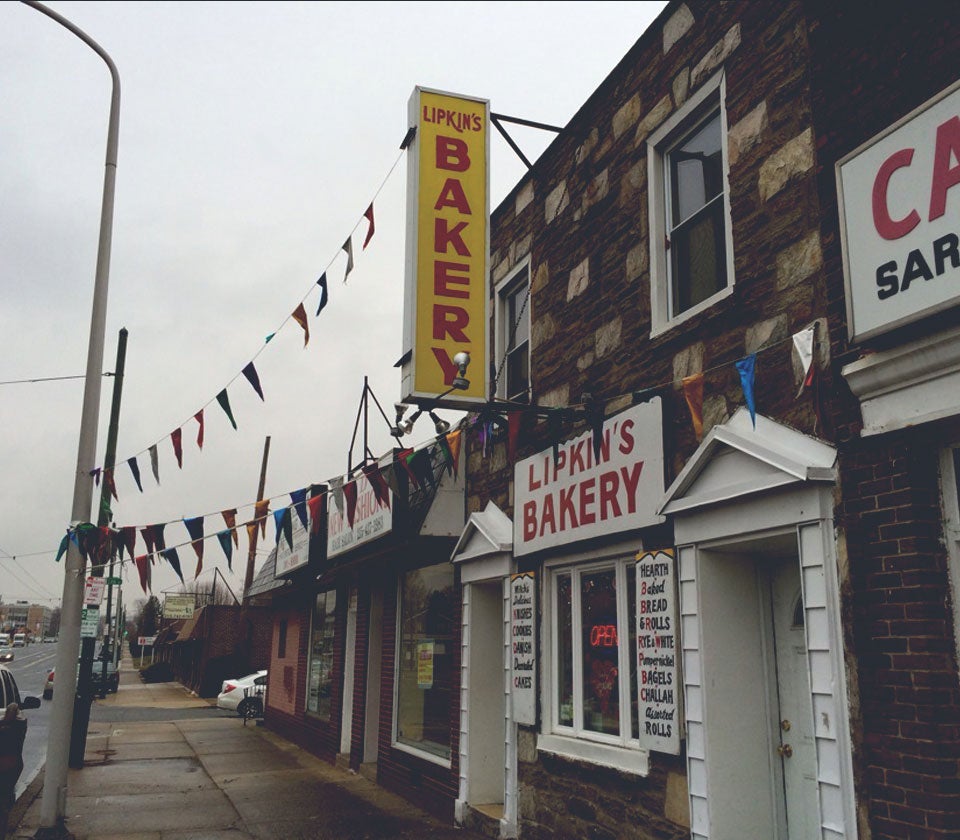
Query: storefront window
(320, 668)
(425, 659)
(595, 677)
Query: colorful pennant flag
(177, 437)
(64, 543)
(444, 446)
(316, 507)
(130, 540)
(199, 418)
(110, 484)
(226, 543)
(300, 316)
(350, 494)
(404, 457)
(693, 393)
(154, 465)
(158, 535)
(454, 440)
(421, 462)
(803, 344)
(224, 401)
(194, 527)
(252, 534)
(230, 520)
(135, 469)
(278, 516)
(322, 283)
(513, 435)
(348, 247)
(149, 538)
(368, 215)
(746, 367)
(336, 490)
(260, 510)
(171, 556)
(251, 373)
(96, 476)
(143, 569)
(299, 499)
(381, 489)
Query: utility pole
(252, 554)
(84, 699)
(53, 805)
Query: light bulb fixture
(401, 409)
(441, 425)
(461, 360)
(406, 426)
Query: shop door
(794, 737)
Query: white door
(794, 740)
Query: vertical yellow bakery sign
(447, 247)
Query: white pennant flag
(348, 247)
(803, 344)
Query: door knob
(785, 751)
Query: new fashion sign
(899, 210)
(577, 496)
(448, 207)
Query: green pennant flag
(224, 401)
(63, 547)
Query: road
(30, 667)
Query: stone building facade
(686, 219)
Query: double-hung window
(691, 261)
(592, 686)
(513, 336)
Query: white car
(243, 695)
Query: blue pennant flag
(746, 368)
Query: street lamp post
(53, 804)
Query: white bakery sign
(578, 495)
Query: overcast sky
(252, 138)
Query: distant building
(34, 619)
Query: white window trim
(951, 532)
(622, 753)
(396, 744)
(499, 326)
(659, 141)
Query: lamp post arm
(53, 804)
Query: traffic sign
(114, 581)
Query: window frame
(503, 291)
(676, 129)
(395, 742)
(950, 503)
(316, 715)
(623, 751)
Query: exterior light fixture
(406, 426)
(461, 360)
(441, 425)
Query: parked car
(6, 654)
(96, 679)
(10, 693)
(243, 695)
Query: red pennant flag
(230, 520)
(199, 418)
(177, 437)
(513, 434)
(368, 215)
(453, 441)
(110, 484)
(260, 510)
(300, 316)
(378, 483)
(148, 538)
(316, 507)
(350, 494)
(143, 569)
(693, 393)
(130, 540)
(404, 456)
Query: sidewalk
(212, 777)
